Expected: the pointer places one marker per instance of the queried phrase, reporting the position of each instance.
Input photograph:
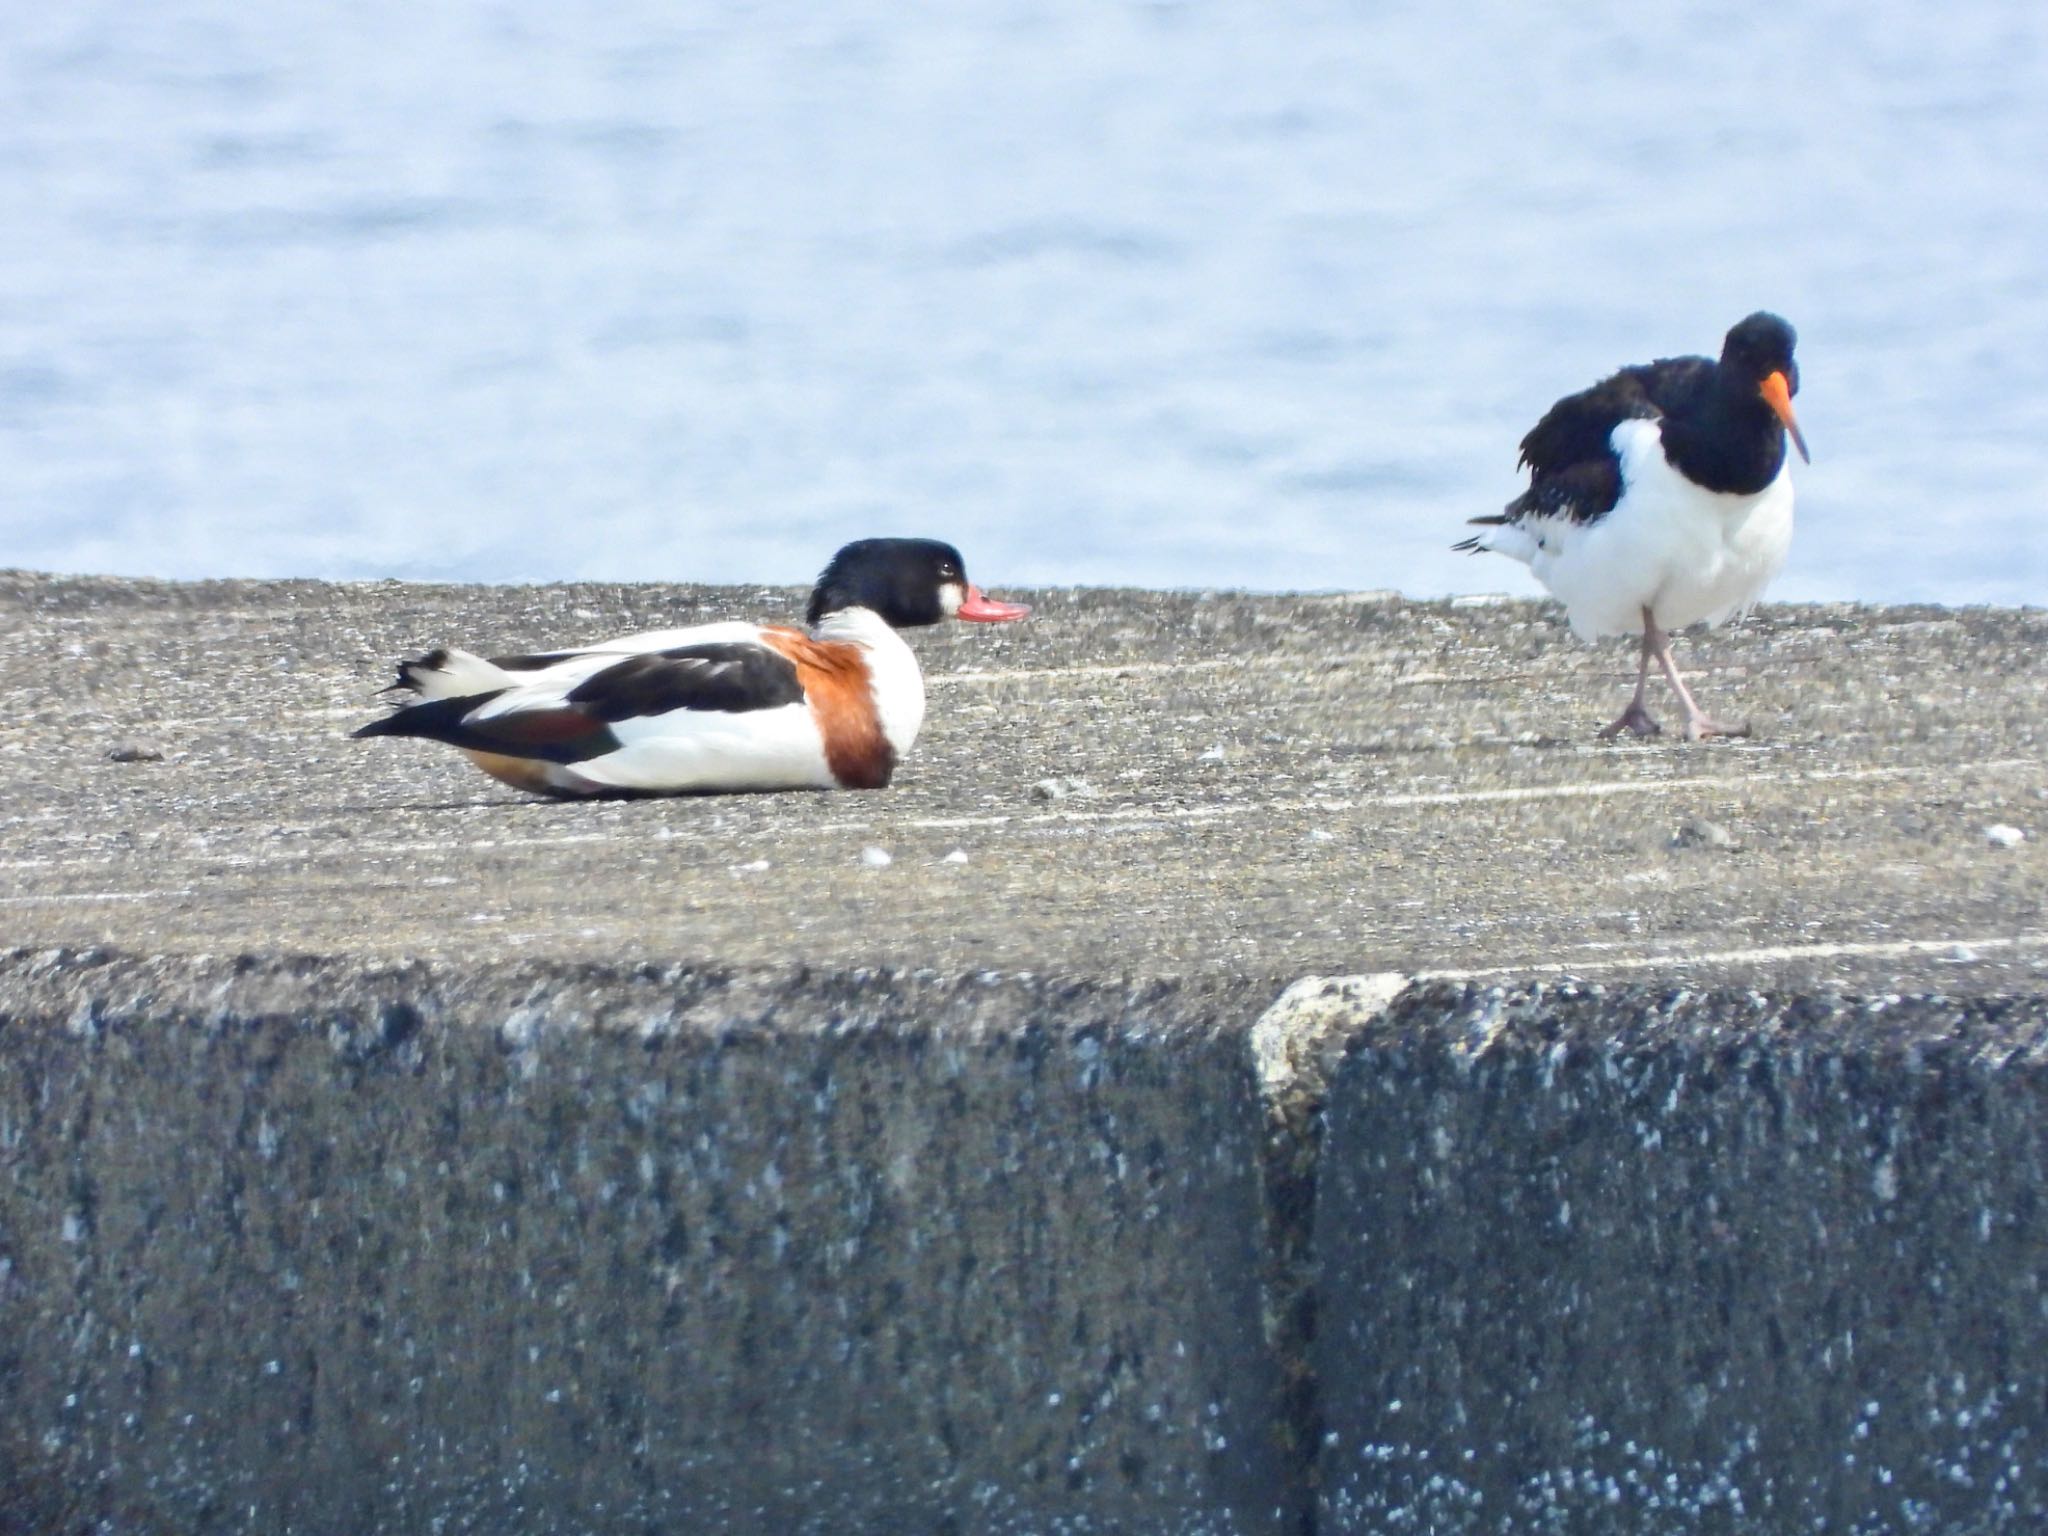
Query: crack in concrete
(1295, 1045)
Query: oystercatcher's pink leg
(1636, 719)
(1698, 723)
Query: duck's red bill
(977, 607)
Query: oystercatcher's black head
(908, 582)
(1758, 355)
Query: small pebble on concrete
(136, 752)
(1061, 788)
(876, 858)
(1697, 832)
(2001, 835)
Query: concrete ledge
(1634, 1260)
(313, 1247)
(688, 1165)
(1160, 783)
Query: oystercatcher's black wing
(1570, 452)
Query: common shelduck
(716, 707)
(1662, 497)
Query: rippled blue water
(1256, 294)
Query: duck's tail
(447, 673)
(433, 719)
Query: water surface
(1173, 293)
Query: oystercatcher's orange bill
(1777, 393)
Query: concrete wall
(1628, 1261)
(326, 1247)
(310, 1247)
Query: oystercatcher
(716, 707)
(1662, 497)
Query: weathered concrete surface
(617, 1102)
(1625, 1261)
(1282, 786)
(334, 1248)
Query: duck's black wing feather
(726, 677)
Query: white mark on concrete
(1889, 949)
(1584, 789)
(186, 725)
(1594, 789)
(1319, 661)
(64, 896)
(1112, 669)
(1730, 785)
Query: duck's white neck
(892, 668)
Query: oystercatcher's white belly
(1685, 553)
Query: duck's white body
(714, 707)
(681, 750)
